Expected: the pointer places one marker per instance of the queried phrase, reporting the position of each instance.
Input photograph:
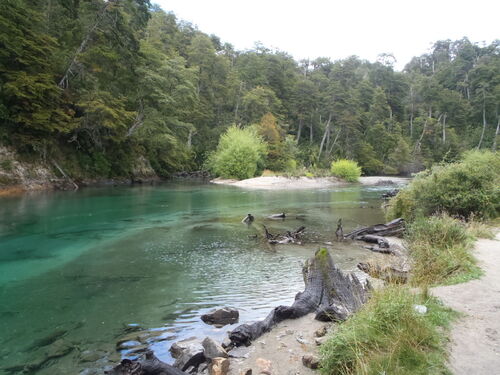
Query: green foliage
(346, 169)
(387, 336)
(440, 247)
(72, 81)
(239, 154)
(465, 188)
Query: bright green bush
(346, 169)
(469, 187)
(240, 154)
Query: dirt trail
(475, 338)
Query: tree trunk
(329, 293)
(327, 129)
(444, 129)
(139, 119)
(484, 121)
(411, 112)
(299, 132)
(334, 142)
(64, 174)
(64, 82)
(494, 147)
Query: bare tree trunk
(467, 90)
(311, 131)
(334, 142)
(190, 138)
(139, 119)
(63, 83)
(299, 132)
(484, 121)
(444, 129)
(327, 129)
(494, 147)
(64, 174)
(411, 113)
(238, 102)
(419, 142)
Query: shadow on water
(101, 264)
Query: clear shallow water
(82, 266)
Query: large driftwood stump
(147, 365)
(329, 293)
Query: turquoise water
(79, 271)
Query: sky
(338, 29)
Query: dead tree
(339, 233)
(287, 237)
(328, 292)
(392, 228)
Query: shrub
(346, 169)
(239, 155)
(469, 187)
(387, 336)
(440, 249)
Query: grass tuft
(388, 336)
(440, 247)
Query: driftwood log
(393, 228)
(146, 365)
(329, 293)
(287, 237)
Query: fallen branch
(392, 228)
(287, 237)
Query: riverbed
(80, 270)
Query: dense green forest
(97, 84)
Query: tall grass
(388, 336)
(440, 248)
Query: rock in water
(147, 365)
(248, 219)
(219, 366)
(222, 316)
(212, 349)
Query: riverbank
(296, 183)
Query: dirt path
(475, 338)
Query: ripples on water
(80, 268)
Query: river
(78, 270)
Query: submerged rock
(222, 316)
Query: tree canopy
(109, 81)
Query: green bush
(469, 187)
(387, 336)
(440, 249)
(240, 154)
(346, 169)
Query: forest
(98, 84)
